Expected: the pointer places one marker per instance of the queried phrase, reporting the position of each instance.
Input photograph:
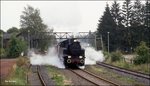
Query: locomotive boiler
(71, 53)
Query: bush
(116, 56)
(2, 53)
(143, 54)
(106, 55)
(16, 46)
(21, 61)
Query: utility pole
(108, 42)
(95, 42)
(28, 40)
(2, 39)
(102, 43)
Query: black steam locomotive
(71, 53)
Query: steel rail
(40, 76)
(131, 72)
(100, 78)
(85, 78)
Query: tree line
(126, 26)
(32, 34)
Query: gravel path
(91, 78)
(35, 80)
(76, 80)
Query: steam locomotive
(71, 53)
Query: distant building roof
(7, 36)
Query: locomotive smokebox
(71, 53)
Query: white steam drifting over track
(51, 58)
(92, 56)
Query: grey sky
(75, 16)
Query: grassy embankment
(18, 74)
(57, 76)
(102, 72)
(144, 68)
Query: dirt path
(6, 66)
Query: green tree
(138, 14)
(136, 29)
(1, 38)
(116, 12)
(32, 22)
(16, 46)
(147, 22)
(127, 13)
(107, 24)
(147, 14)
(13, 30)
(143, 54)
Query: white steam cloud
(51, 58)
(92, 56)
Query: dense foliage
(127, 26)
(107, 25)
(2, 53)
(16, 47)
(13, 30)
(1, 38)
(34, 28)
(116, 56)
(143, 54)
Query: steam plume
(51, 58)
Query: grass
(144, 68)
(123, 80)
(18, 74)
(57, 76)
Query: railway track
(39, 76)
(145, 78)
(94, 79)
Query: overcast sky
(74, 16)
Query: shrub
(2, 52)
(106, 55)
(21, 61)
(116, 56)
(143, 54)
(16, 46)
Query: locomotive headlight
(69, 57)
(75, 40)
(80, 57)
